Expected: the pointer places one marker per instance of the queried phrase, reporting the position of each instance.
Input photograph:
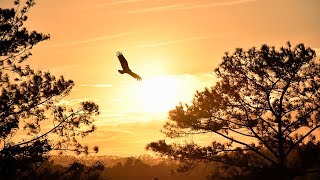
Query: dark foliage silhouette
(125, 67)
(104, 167)
(138, 168)
(29, 98)
(128, 168)
(265, 104)
(76, 170)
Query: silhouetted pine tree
(265, 104)
(29, 97)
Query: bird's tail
(120, 71)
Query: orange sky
(173, 44)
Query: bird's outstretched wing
(136, 76)
(123, 61)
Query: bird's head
(118, 53)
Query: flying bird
(125, 67)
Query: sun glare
(158, 94)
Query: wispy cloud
(111, 3)
(64, 102)
(97, 85)
(189, 6)
(165, 43)
(121, 2)
(117, 131)
(91, 40)
(156, 9)
(216, 4)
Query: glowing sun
(159, 94)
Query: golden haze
(174, 45)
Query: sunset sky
(174, 45)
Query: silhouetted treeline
(70, 167)
(142, 167)
(304, 163)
